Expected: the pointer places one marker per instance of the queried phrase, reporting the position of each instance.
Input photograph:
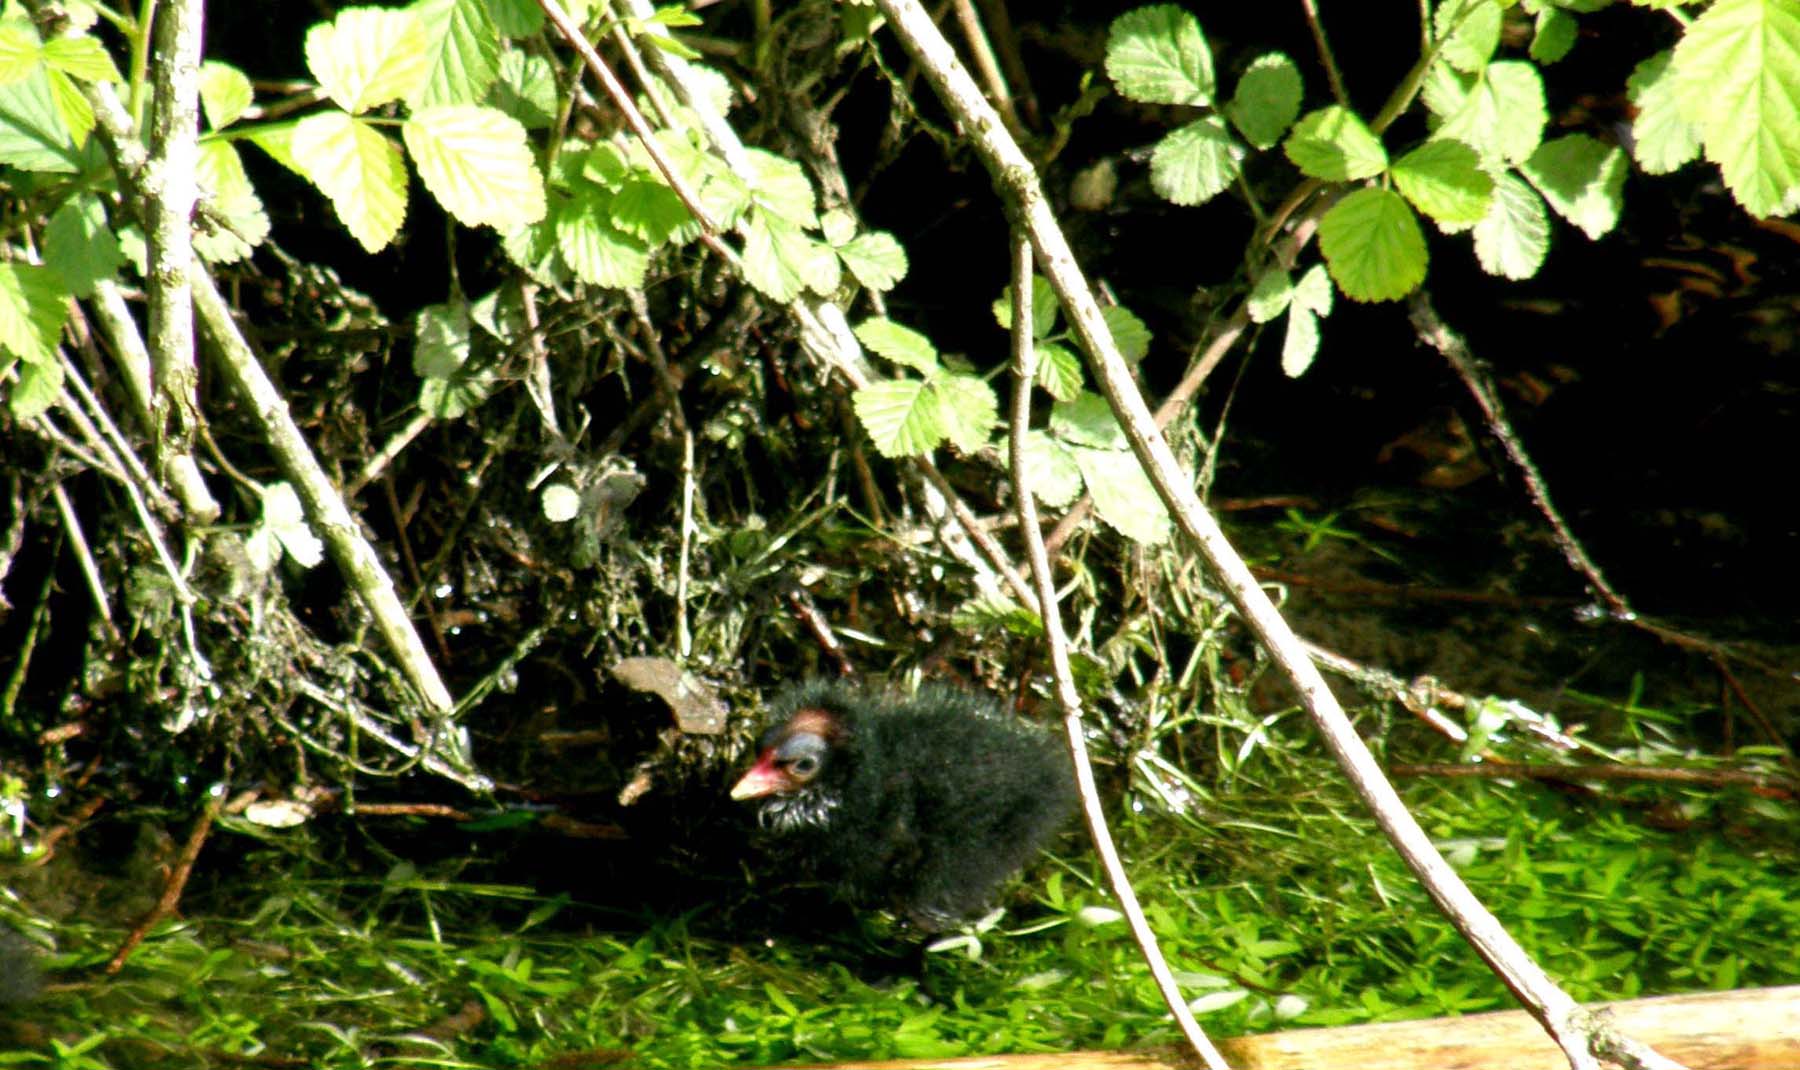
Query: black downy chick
(922, 805)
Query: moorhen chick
(922, 805)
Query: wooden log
(1751, 1029)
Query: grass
(1286, 912)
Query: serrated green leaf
(1661, 140)
(1128, 332)
(1737, 76)
(449, 399)
(902, 345)
(1050, 470)
(517, 18)
(599, 253)
(71, 103)
(1193, 164)
(1553, 35)
(1123, 495)
(477, 163)
(876, 258)
(1270, 295)
(838, 226)
(648, 209)
(1470, 30)
(80, 247)
(535, 251)
(900, 416)
(968, 410)
(359, 171)
(20, 50)
(1373, 245)
(277, 139)
(225, 93)
(1087, 420)
(1499, 114)
(1444, 179)
(81, 57)
(230, 197)
(773, 248)
(33, 134)
(525, 89)
(1267, 99)
(441, 340)
(1044, 306)
(368, 56)
(780, 186)
(38, 387)
(462, 53)
(1332, 143)
(1582, 178)
(1300, 343)
(1159, 56)
(1313, 291)
(820, 271)
(34, 303)
(1512, 241)
(1058, 371)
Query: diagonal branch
(1579, 1033)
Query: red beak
(764, 778)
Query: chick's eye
(804, 766)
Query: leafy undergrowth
(1280, 910)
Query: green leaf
(477, 163)
(71, 104)
(1159, 56)
(1470, 30)
(462, 53)
(819, 268)
(38, 388)
(20, 50)
(359, 171)
(441, 340)
(1194, 163)
(1087, 420)
(525, 89)
(1444, 180)
(1737, 76)
(1500, 114)
(1332, 143)
(1512, 240)
(1661, 140)
(1044, 307)
(1313, 291)
(876, 258)
(284, 524)
(33, 305)
(1582, 178)
(517, 18)
(225, 93)
(1553, 36)
(646, 208)
(81, 57)
(1129, 332)
(80, 247)
(1267, 99)
(368, 56)
(1123, 495)
(775, 251)
(968, 410)
(230, 196)
(1301, 342)
(535, 250)
(901, 416)
(449, 399)
(1058, 371)
(1050, 470)
(599, 253)
(277, 139)
(33, 133)
(1270, 295)
(780, 186)
(1373, 245)
(902, 345)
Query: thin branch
(1767, 783)
(173, 886)
(988, 66)
(1575, 1030)
(1332, 74)
(85, 557)
(1024, 374)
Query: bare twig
(1768, 783)
(85, 557)
(1024, 374)
(1332, 74)
(1576, 1031)
(172, 887)
(988, 66)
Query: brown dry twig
(172, 888)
